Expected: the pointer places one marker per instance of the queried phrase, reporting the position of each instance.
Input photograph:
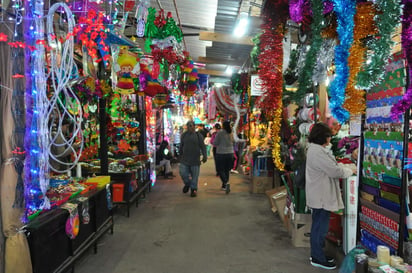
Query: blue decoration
(345, 11)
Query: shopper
(191, 147)
(163, 158)
(216, 129)
(323, 193)
(224, 154)
(207, 144)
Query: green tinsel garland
(254, 54)
(305, 77)
(388, 17)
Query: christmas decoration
(364, 26)
(345, 11)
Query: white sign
(351, 213)
(255, 86)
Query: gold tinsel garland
(275, 136)
(364, 26)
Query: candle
(383, 254)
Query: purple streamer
(405, 103)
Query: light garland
(64, 104)
(364, 26)
(36, 181)
(387, 18)
(345, 11)
(405, 103)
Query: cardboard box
(280, 204)
(260, 184)
(270, 193)
(300, 229)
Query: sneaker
(186, 189)
(227, 188)
(328, 258)
(234, 171)
(193, 193)
(325, 265)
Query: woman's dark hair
(217, 126)
(319, 133)
(226, 127)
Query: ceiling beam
(207, 60)
(224, 38)
(213, 73)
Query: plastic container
(118, 190)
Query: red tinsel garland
(270, 66)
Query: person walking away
(163, 158)
(224, 154)
(216, 129)
(323, 193)
(191, 146)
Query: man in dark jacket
(191, 145)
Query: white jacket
(322, 179)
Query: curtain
(14, 250)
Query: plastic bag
(348, 264)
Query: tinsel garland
(275, 136)
(305, 76)
(270, 66)
(270, 73)
(364, 26)
(324, 61)
(405, 103)
(345, 11)
(387, 18)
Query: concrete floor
(170, 232)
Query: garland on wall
(345, 11)
(364, 26)
(305, 76)
(405, 103)
(387, 18)
(270, 71)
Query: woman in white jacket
(322, 190)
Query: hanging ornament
(141, 16)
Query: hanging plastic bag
(348, 264)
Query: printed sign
(255, 86)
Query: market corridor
(171, 232)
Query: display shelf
(135, 185)
(51, 249)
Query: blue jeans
(190, 175)
(318, 232)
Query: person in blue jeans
(322, 188)
(191, 147)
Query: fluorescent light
(229, 70)
(241, 25)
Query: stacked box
(300, 229)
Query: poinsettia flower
(3, 37)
